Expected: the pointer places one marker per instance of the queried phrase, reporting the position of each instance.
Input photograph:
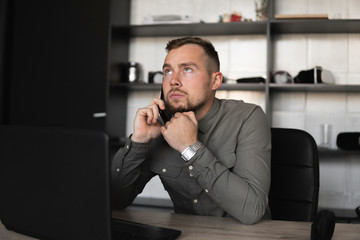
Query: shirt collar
(205, 122)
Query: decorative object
(261, 10)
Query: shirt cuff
(135, 146)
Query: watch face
(158, 77)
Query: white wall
(243, 56)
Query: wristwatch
(190, 151)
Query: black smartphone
(164, 116)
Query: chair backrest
(294, 190)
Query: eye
(187, 70)
(167, 71)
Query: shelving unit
(150, 87)
(269, 28)
(332, 154)
(198, 29)
(314, 26)
(313, 87)
(239, 28)
(123, 32)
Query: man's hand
(181, 131)
(146, 125)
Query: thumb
(191, 116)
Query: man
(212, 156)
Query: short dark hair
(214, 63)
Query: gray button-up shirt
(229, 175)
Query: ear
(217, 79)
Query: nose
(175, 81)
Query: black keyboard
(122, 235)
(122, 229)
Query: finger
(168, 123)
(177, 115)
(163, 129)
(153, 113)
(192, 116)
(155, 109)
(159, 102)
(149, 115)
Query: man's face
(187, 84)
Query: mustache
(177, 90)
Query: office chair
(294, 190)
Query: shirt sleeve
(129, 173)
(241, 191)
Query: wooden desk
(200, 227)
(10, 235)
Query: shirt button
(118, 169)
(191, 175)
(191, 167)
(195, 201)
(127, 146)
(206, 190)
(164, 170)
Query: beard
(175, 109)
(175, 106)
(189, 103)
